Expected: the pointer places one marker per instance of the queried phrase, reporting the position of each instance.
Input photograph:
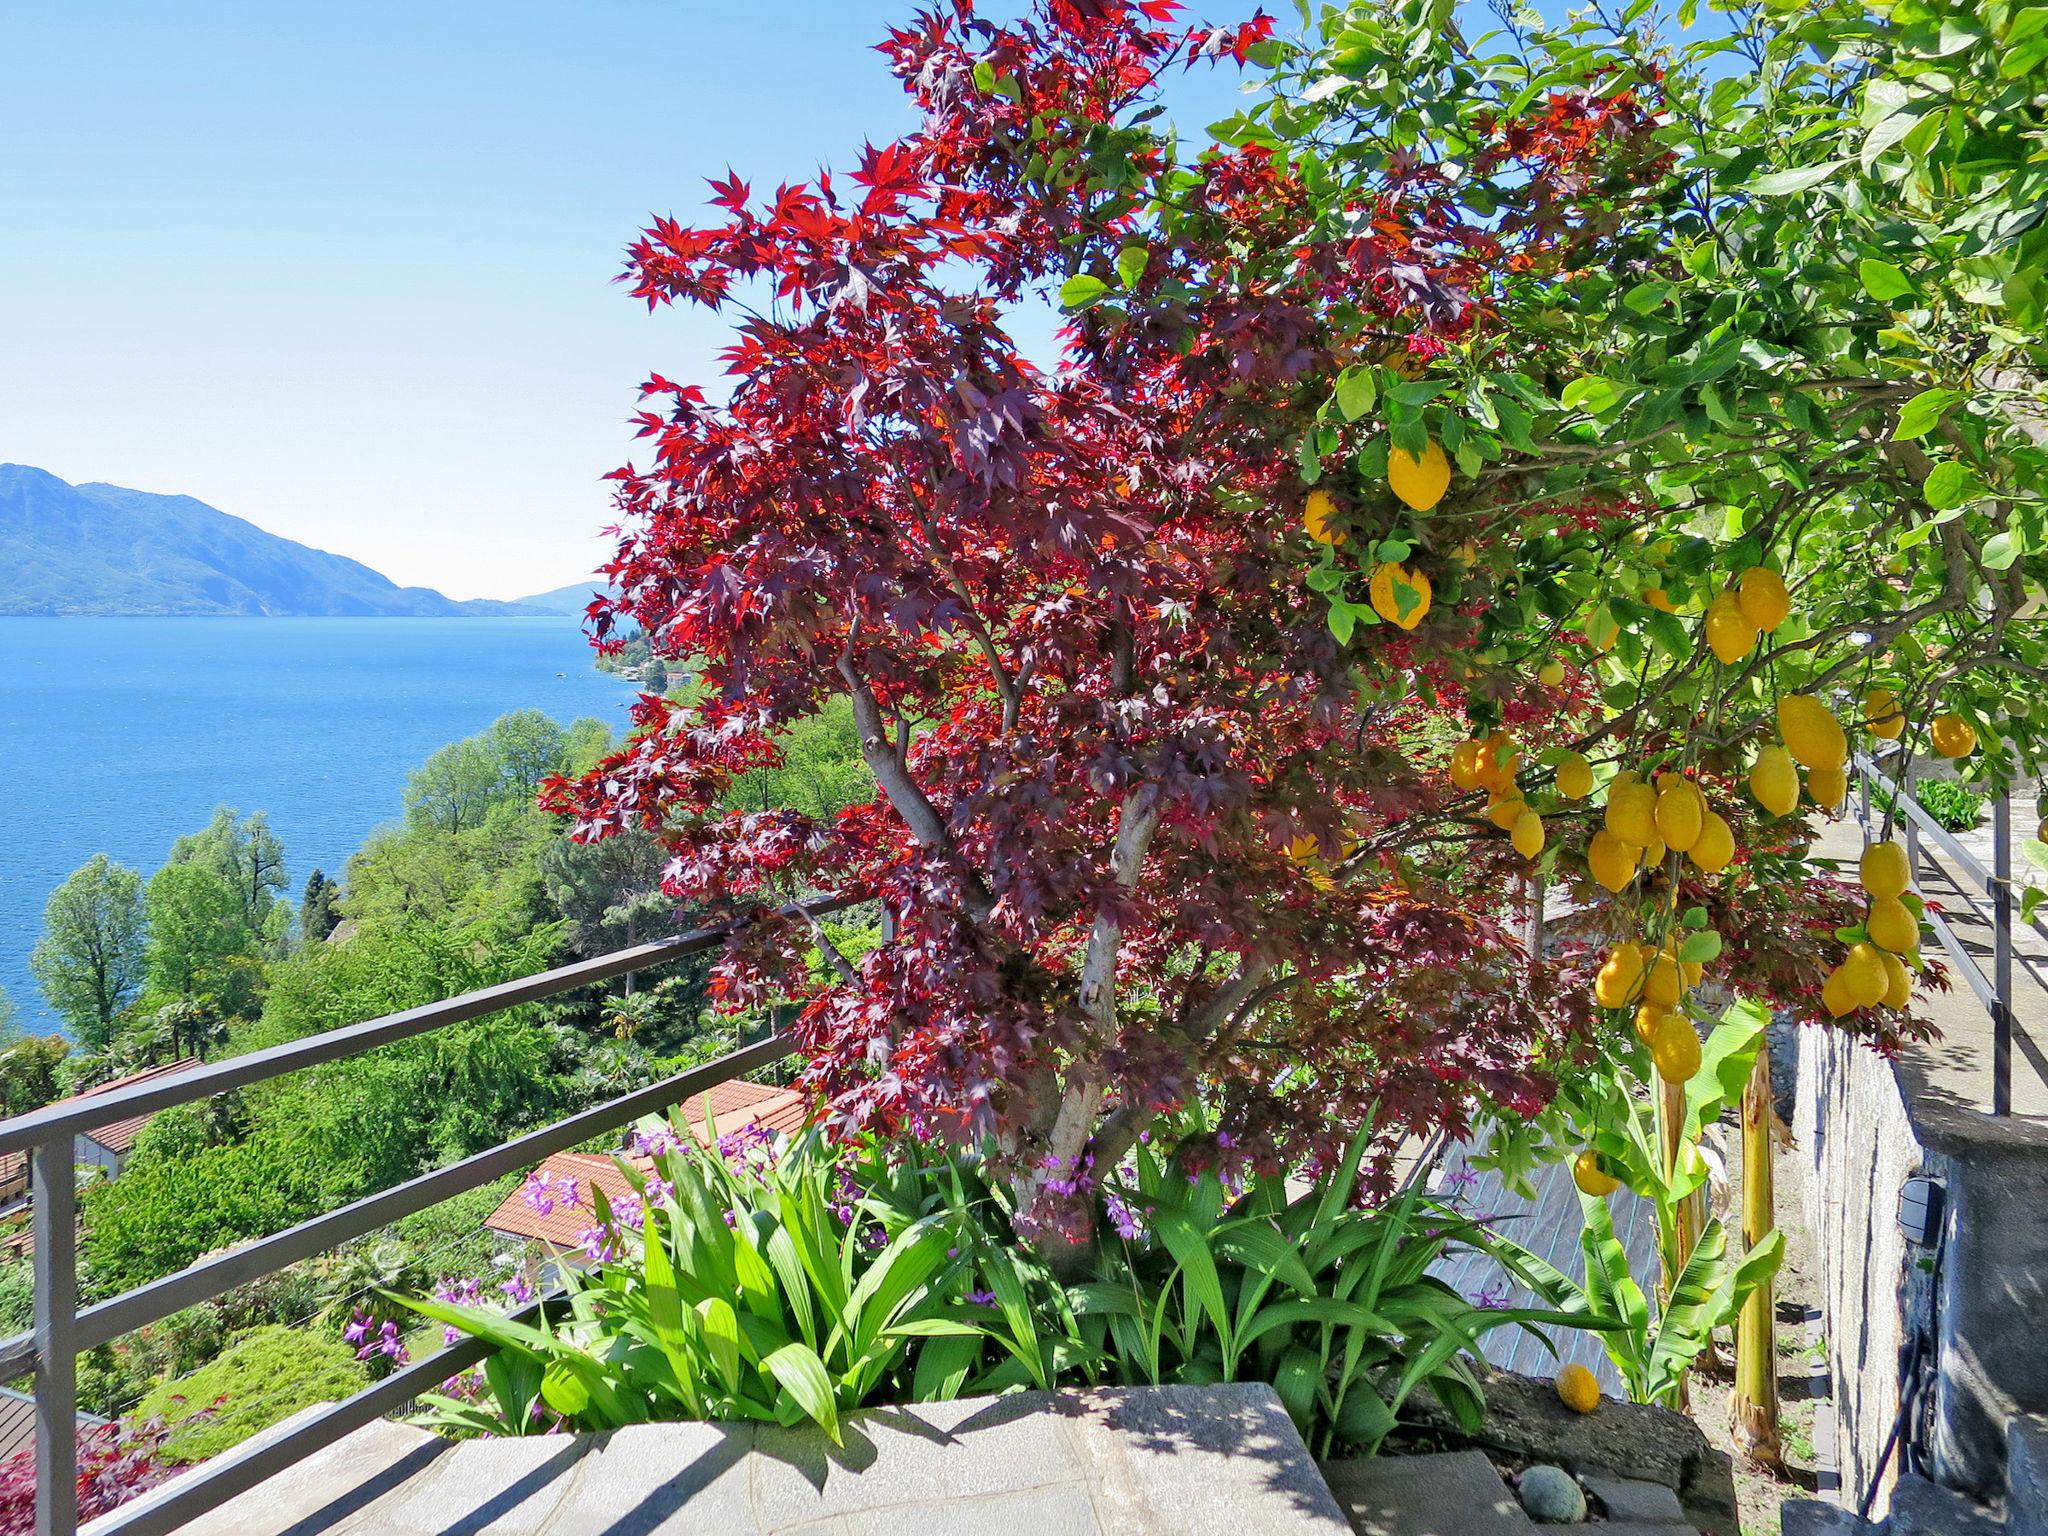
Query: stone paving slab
(1134, 1461)
(1453, 1493)
(1630, 1498)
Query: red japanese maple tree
(1143, 826)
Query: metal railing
(1993, 991)
(62, 1330)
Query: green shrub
(1950, 804)
(263, 1376)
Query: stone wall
(1864, 1126)
(1857, 1148)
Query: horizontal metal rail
(208, 1278)
(176, 1504)
(60, 1332)
(73, 1116)
(1993, 991)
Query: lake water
(118, 736)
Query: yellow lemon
(1660, 600)
(1550, 674)
(1587, 1174)
(1610, 861)
(1466, 770)
(1811, 732)
(1652, 854)
(1898, 988)
(1399, 595)
(1663, 982)
(1774, 781)
(1632, 812)
(1713, 850)
(1863, 974)
(1419, 482)
(1892, 926)
(1729, 634)
(1952, 736)
(1498, 762)
(1681, 812)
(1615, 986)
(1505, 810)
(1527, 834)
(1676, 1049)
(1574, 776)
(1835, 996)
(1883, 870)
(1578, 1388)
(1882, 716)
(1316, 517)
(1828, 786)
(1762, 595)
(1648, 1017)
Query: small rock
(1552, 1495)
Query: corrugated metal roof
(18, 1421)
(730, 1106)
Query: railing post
(53, 1188)
(2001, 964)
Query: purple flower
(1495, 1296)
(517, 1290)
(982, 1298)
(600, 1245)
(655, 1143)
(386, 1342)
(1121, 1216)
(358, 1328)
(544, 1192)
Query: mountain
(103, 549)
(572, 599)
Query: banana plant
(1653, 1348)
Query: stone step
(1812, 1517)
(1123, 1461)
(1453, 1493)
(1921, 1508)
(2026, 1474)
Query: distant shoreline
(536, 613)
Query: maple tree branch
(905, 796)
(829, 950)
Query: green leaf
(1921, 414)
(1130, 266)
(799, 1372)
(2000, 550)
(1883, 281)
(1592, 394)
(1699, 948)
(1951, 484)
(1358, 391)
(1782, 183)
(1081, 290)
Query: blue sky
(345, 270)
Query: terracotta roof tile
(731, 1105)
(119, 1137)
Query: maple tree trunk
(1753, 1405)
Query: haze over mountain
(104, 549)
(572, 599)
